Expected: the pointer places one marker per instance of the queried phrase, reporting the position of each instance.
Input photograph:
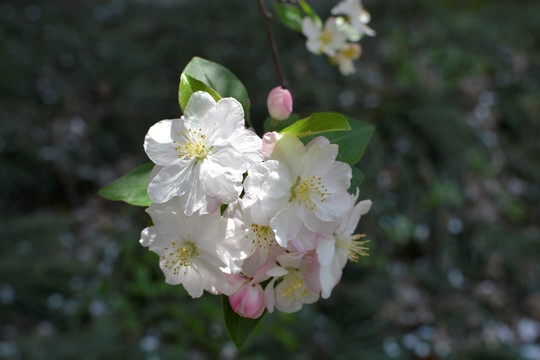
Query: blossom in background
(327, 40)
(345, 57)
(190, 248)
(201, 158)
(356, 15)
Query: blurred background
(453, 170)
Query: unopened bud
(280, 103)
(248, 301)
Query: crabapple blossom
(334, 250)
(190, 248)
(294, 290)
(356, 14)
(279, 103)
(201, 157)
(299, 186)
(327, 40)
(345, 57)
(254, 240)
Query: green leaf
(218, 78)
(280, 125)
(131, 187)
(352, 143)
(189, 85)
(318, 123)
(356, 180)
(309, 12)
(237, 326)
(290, 16)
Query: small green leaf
(189, 85)
(237, 326)
(290, 16)
(218, 78)
(309, 12)
(356, 180)
(352, 143)
(280, 125)
(131, 187)
(318, 123)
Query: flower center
(354, 247)
(194, 145)
(263, 237)
(309, 191)
(296, 286)
(351, 52)
(178, 256)
(326, 37)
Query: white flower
(254, 241)
(201, 158)
(293, 291)
(189, 247)
(328, 40)
(357, 15)
(333, 251)
(345, 57)
(299, 186)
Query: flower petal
(159, 144)
(198, 105)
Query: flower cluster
(268, 222)
(339, 35)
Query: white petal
(159, 145)
(169, 181)
(351, 222)
(339, 176)
(286, 224)
(329, 277)
(277, 272)
(214, 280)
(314, 45)
(318, 160)
(326, 250)
(198, 105)
(148, 236)
(289, 150)
(269, 297)
(225, 186)
(310, 29)
(193, 283)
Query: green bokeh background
(453, 170)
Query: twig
(266, 16)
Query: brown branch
(266, 16)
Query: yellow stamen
(177, 257)
(194, 145)
(356, 247)
(263, 237)
(309, 191)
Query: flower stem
(266, 16)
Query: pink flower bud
(279, 103)
(248, 301)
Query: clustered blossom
(288, 227)
(339, 35)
